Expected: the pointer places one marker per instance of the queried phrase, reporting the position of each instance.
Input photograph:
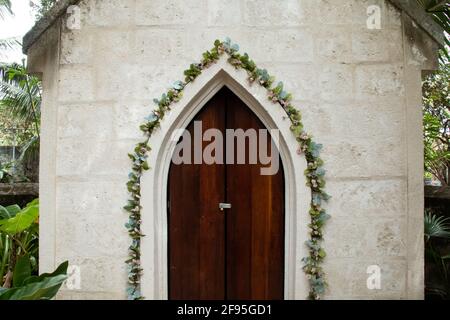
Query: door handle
(223, 206)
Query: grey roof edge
(410, 7)
(46, 22)
(421, 18)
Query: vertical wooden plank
(196, 225)
(255, 224)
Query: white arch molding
(154, 282)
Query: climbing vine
(315, 172)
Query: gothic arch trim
(147, 206)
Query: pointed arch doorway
(237, 253)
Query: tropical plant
(437, 230)
(8, 44)
(5, 175)
(19, 257)
(440, 10)
(436, 110)
(436, 227)
(26, 286)
(20, 99)
(19, 231)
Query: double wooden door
(235, 253)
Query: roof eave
(422, 19)
(46, 22)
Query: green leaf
(61, 270)
(320, 172)
(145, 166)
(178, 85)
(43, 287)
(43, 290)
(284, 95)
(35, 202)
(322, 253)
(22, 270)
(13, 210)
(316, 199)
(436, 226)
(323, 217)
(4, 213)
(22, 221)
(315, 149)
(152, 117)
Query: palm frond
(17, 102)
(9, 43)
(30, 151)
(436, 227)
(5, 7)
(440, 10)
(20, 94)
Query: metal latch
(223, 206)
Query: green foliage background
(436, 109)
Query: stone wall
(359, 91)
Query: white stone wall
(358, 89)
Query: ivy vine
(315, 172)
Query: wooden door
(238, 253)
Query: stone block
(154, 46)
(336, 82)
(98, 274)
(367, 199)
(300, 79)
(379, 80)
(111, 13)
(291, 45)
(92, 197)
(91, 236)
(113, 47)
(171, 12)
(224, 13)
(87, 157)
(374, 121)
(152, 80)
(377, 45)
(274, 13)
(334, 12)
(76, 46)
(83, 121)
(350, 237)
(128, 116)
(76, 83)
(116, 83)
(334, 44)
(347, 279)
(363, 158)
